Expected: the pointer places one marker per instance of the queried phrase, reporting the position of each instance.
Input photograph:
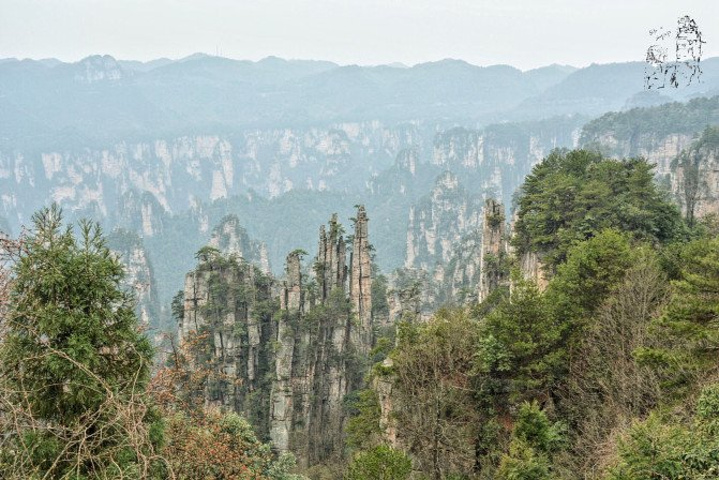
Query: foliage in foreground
(73, 364)
(661, 448)
(380, 463)
(604, 365)
(217, 446)
(76, 401)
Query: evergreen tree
(74, 365)
(534, 441)
(380, 463)
(519, 352)
(572, 196)
(687, 332)
(671, 448)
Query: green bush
(380, 463)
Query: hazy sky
(523, 33)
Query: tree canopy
(572, 195)
(73, 362)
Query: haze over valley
(380, 262)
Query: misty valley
(293, 269)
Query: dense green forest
(80, 397)
(608, 371)
(671, 118)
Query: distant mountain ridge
(51, 104)
(166, 149)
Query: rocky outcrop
(286, 386)
(695, 179)
(444, 235)
(443, 239)
(231, 238)
(493, 253)
(141, 212)
(438, 221)
(331, 264)
(220, 299)
(383, 386)
(412, 297)
(361, 280)
(291, 298)
(532, 269)
(139, 274)
(657, 149)
(289, 362)
(496, 159)
(325, 330)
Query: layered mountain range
(167, 149)
(211, 177)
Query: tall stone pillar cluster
(295, 366)
(319, 341)
(493, 252)
(330, 267)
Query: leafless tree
(608, 388)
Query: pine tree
(74, 363)
(380, 463)
(688, 331)
(534, 441)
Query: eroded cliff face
(324, 334)
(658, 149)
(695, 176)
(443, 238)
(673, 137)
(685, 163)
(139, 274)
(232, 239)
(494, 161)
(444, 235)
(360, 287)
(286, 353)
(228, 317)
(533, 269)
(493, 254)
(438, 221)
(179, 171)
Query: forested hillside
(293, 270)
(601, 374)
(604, 369)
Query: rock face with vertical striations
(695, 176)
(361, 277)
(443, 239)
(228, 313)
(533, 269)
(494, 249)
(139, 274)
(231, 238)
(286, 353)
(331, 268)
(283, 393)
